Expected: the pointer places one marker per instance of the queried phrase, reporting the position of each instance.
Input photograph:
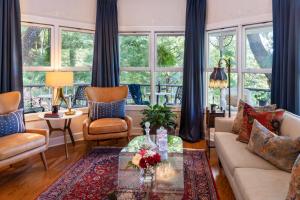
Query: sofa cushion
(15, 144)
(290, 125)
(281, 151)
(294, 189)
(107, 125)
(236, 154)
(12, 123)
(270, 119)
(260, 184)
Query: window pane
(77, 49)
(35, 93)
(168, 88)
(257, 88)
(36, 46)
(259, 47)
(84, 77)
(214, 95)
(134, 50)
(170, 50)
(140, 94)
(221, 45)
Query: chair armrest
(43, 132)
(85, 126)
(128, 120)
(223, 124)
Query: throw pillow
(281, 151)
(115, 109)
(294, 190)
(270, 119)
(12, 123)
(238, 121)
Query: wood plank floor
(27, 179)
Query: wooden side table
(67, 127)
(210, 123)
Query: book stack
(52, 115)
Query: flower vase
(146, 176)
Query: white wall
(151, 12)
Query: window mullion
(152, 56)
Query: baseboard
(59, 140)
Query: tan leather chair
(16, 147)
(107, 128)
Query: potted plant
(262, 98)
(159, 116)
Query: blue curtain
(285, 91)
(105, 71)
(192, 108)
(10, 47)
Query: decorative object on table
(104, 181)
(270, 119)
(148, 141)
(218, 79)
(162, 142)
(58, 80)
(210, 123)
(294, 188)
(146, 160)
(53, 115)
(262, 97)
(281, 151)
(214, 107)
(238, 121)
(158, 116)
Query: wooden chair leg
(43, 157)
(98, 143)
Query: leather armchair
(107, 128)
(16, 147)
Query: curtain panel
(106, 71)
(11, 77)
(285, 89)
(192, 108)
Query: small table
(169, 176)
(210, 123)
(67, 126)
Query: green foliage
(159, 116)
(262, 96)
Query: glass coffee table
(168, 180)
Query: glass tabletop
(168, 180)
(175, 144)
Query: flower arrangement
(145, 159)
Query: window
(152, 78)
(251, 73)
(75, 53)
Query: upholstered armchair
(18, 146)
(107, 128)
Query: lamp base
(70, 112)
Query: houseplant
(159, 116)
(262, 98)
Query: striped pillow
(115, 109)
(12, 123)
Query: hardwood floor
(27, 179)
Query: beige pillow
(294, 190)
(238, 121)
(281, 151)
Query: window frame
(241, 68)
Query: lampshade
(218, 78)
(59, 79)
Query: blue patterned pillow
(115, 109)
(12, 123)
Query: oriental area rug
(95, 176)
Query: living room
(160, 99)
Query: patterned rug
(95, 177)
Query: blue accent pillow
(12, 123)
(115, 109)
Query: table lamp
(58, 80)
(218, 79)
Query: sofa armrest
(86, 124)
(223, 124)
(43, 132)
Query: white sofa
(250, 176)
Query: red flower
(142, 152)
(143, 163)
(151, 160)
(157, 158)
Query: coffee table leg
(68, 127)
